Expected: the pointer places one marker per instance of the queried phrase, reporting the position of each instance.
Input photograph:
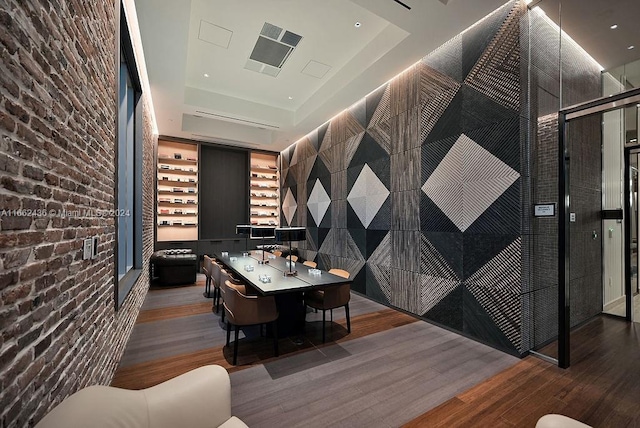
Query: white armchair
(559, 421)
(200, 398)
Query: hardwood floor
(601, 388)
(390, 369)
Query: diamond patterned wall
(417, 188)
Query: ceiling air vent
(272, 49)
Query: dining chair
(311, 264)
(277, 253)
(207, 268)
(292, 258)
(330, 298)
(246, 310)
(216, 268)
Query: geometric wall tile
(350, 148)
(379, 282)
(289, 206)
(476, 39)
(339, 185)
(318, 202)
(438, 263)
(404, 90)
(405, 210)
(382, 112)
(478, 323)
(433, 289)
(368, 151)
(380, 255)
(447, 59)
(367, 195)
(324, 137)
(404, 131)
(467, 181)
(381, 133)
(405, 256)
(496, 286)
(405, 170)
(382, 220)
(497, 72)
(318, 136)
(405, 290)
(448, 311)
(339, 213)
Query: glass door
(632, 300)
(598, 221)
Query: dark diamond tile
(448, 312)
(477, 323)
(368, 150)
(450, 247)
(481, 248)
(432, 219)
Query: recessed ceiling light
(290, 98)
(614, 26)
(357, 24)
(631, 47)
(206, 75)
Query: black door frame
(565, 116)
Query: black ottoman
(174, 267)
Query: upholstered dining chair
(207, 268)
(330, 298)
(216, 268)
(277, 253)
(311, 264)
(244, 310)
(292, 257)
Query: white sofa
(200, 398)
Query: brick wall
(57, 129)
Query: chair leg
(346, 309)
(275, 338)
(207, 286)
(223, 311)
(218, 303)
(228, 332)
(235, 346)
(324, 317)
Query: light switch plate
(87, 249)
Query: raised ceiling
(333, 65)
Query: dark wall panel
(224, 197)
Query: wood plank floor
(601, 388)
(391, 369)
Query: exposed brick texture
(59, 329)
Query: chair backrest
(292, 257)
(337, 295)
(216, 268)
(277, 253)
(340, 272)
(248, 310)
(310, 264)
(207, 266)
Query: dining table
(267, 274)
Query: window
(128, 169)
